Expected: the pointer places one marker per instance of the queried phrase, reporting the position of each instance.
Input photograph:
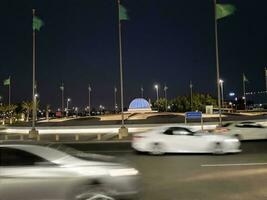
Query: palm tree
(11, 111)
(3, 110)
(27, 106)
(47, 110)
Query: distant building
(139, 105)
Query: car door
(21, 177)
(187, 141)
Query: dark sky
(165, 41)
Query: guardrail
(63, 137)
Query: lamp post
(191, 95)
(221, 84)
(217, 63)
(62, 98)
(142, 92)
(157, 91)
(67, 110)
(115, 99)
(166, 101)
(89, 99)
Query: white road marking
(233, 164)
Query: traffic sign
(193, 115)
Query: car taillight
(221, 130)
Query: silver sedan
(30, 172)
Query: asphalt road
(197, 177)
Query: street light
(142, 92)
(157, 91)
(89, 99)
(67, 111)
(221, 84)
(166, 101)
(191, 95)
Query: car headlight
(123, 172)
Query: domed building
(139, 105)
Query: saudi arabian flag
(37, 23)
(224, 10)
(123, 13)
(6, 81)
(245, 78)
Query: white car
(179, 139)
(31, 172)
(248, 130)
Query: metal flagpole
(142, 92)
(33, 133)
(217, 64)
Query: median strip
(233, 164)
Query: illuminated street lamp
(67, 110)
(221, 85)
(157, 91)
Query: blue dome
(139, 103)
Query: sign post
(194, 115)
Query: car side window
(168, 131)
(180, 131)
(17, 157)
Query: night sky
(165, 41)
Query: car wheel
(218, 148)
(92, 192)
(156, 148)
(238, 136)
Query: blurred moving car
(179, 139)
(30, 172)
(247, 130)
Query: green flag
(224, 10)
(37, 23)
(6, 81)
(245, 78)
(123, 13)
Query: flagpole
(33, 133)
(244, 92)
(123, 130)
(217, 64)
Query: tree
(27, 107)
(160, 105)
(199, 101)
(47, 110)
